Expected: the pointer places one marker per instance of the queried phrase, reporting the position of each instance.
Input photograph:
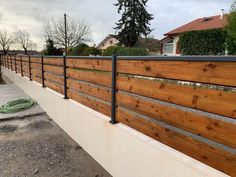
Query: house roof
(107, 38)
(205, 23)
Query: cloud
(102, 15)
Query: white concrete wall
(122, 151)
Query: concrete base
(122, 151)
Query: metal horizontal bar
(48, 56)
(90, 57)
(155, 58)
(180, 58)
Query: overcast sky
(101, 15)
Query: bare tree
(24, 40)
(6, 41)
(77, 32)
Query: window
(168, 48)
(111, 42)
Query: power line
(72, 7)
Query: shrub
(125, 51)
(79, 49)
(91, 51)
(206, 42)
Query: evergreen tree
(134, 22)
(50, 48)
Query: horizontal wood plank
(96, 64)
(222, 73)
(26, 74)
(36, 65)
(99, 78)
(25, 58)
(91, 103)
(195, 123)
(55, 78)
(36, 79)
(53, 69)
(214, 101)
(212, 156)
(36, 72)
(35, 59)
(53, 61)
(56, 87)
(95, 91)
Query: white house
(169, 44)
(110, 40)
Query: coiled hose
(17, 105)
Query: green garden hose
(17, 106)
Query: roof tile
(213, 22)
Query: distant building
(151, 44)
(169, 44)
(110, 40)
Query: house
(169, 44)
(151, 44)
(110, 40)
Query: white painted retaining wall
(122, 151)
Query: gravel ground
(36, 146)
(33, 145)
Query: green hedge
(79, 49)
(205, 42)
(124, 51)
(91, 51)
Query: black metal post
(21, 66)
(7, 63)
(0, 60)
(65, 77)
(65, 23)
(15, 64)
(42, 68)
(10, 63)
(113, 91)
(30, 68)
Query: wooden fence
(146, 94)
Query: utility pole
(65, 23)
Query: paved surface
(35, 146)
(10, 92)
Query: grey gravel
(33, 145)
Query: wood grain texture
(36, 79)
(54, 86)
(36, 65)
(35, 59)
(98, 78)
(195, 123)
(26, 74)
(214, 101)
(53, 61)
(36, 72)
(222, 73)
(96, 64)
(212, 156)
(54, 78)
(53, 69)
(91, 103)
(25, 58)
(95, 91)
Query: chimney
(222, 14)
